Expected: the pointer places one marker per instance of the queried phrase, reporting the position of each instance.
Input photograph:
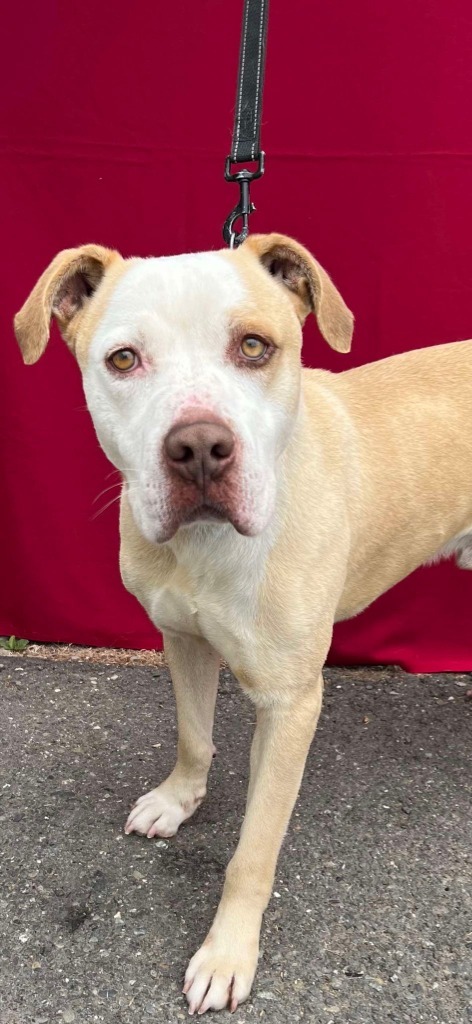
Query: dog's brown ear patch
(63, 292)
(311, 287)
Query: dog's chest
(173, 611)
(211, 594)
(215, 616)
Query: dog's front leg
(222, 971)
(194, 667)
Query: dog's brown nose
(200, 451)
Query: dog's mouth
(225, 504)
(205, 512)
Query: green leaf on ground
(12, 643)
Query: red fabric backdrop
(114, 127)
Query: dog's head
(191, 369)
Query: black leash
(247, 118)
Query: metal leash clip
(244, 207)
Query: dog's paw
(220, 974)
(162, 810)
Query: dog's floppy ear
(63, 292)
(312, 290)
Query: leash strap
(247, 118)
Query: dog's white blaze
(177, 312)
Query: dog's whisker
(125, 469)
(117, 497)
(105, 507)
(118, 483)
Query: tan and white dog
(260, 504)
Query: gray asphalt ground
(371, 918)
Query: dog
(261, 502)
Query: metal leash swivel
(244, 207)
(245, 148)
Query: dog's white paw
(220, 974)
(162, 810)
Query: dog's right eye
(123, 360)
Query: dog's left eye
(123, 360)
(253, 348)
